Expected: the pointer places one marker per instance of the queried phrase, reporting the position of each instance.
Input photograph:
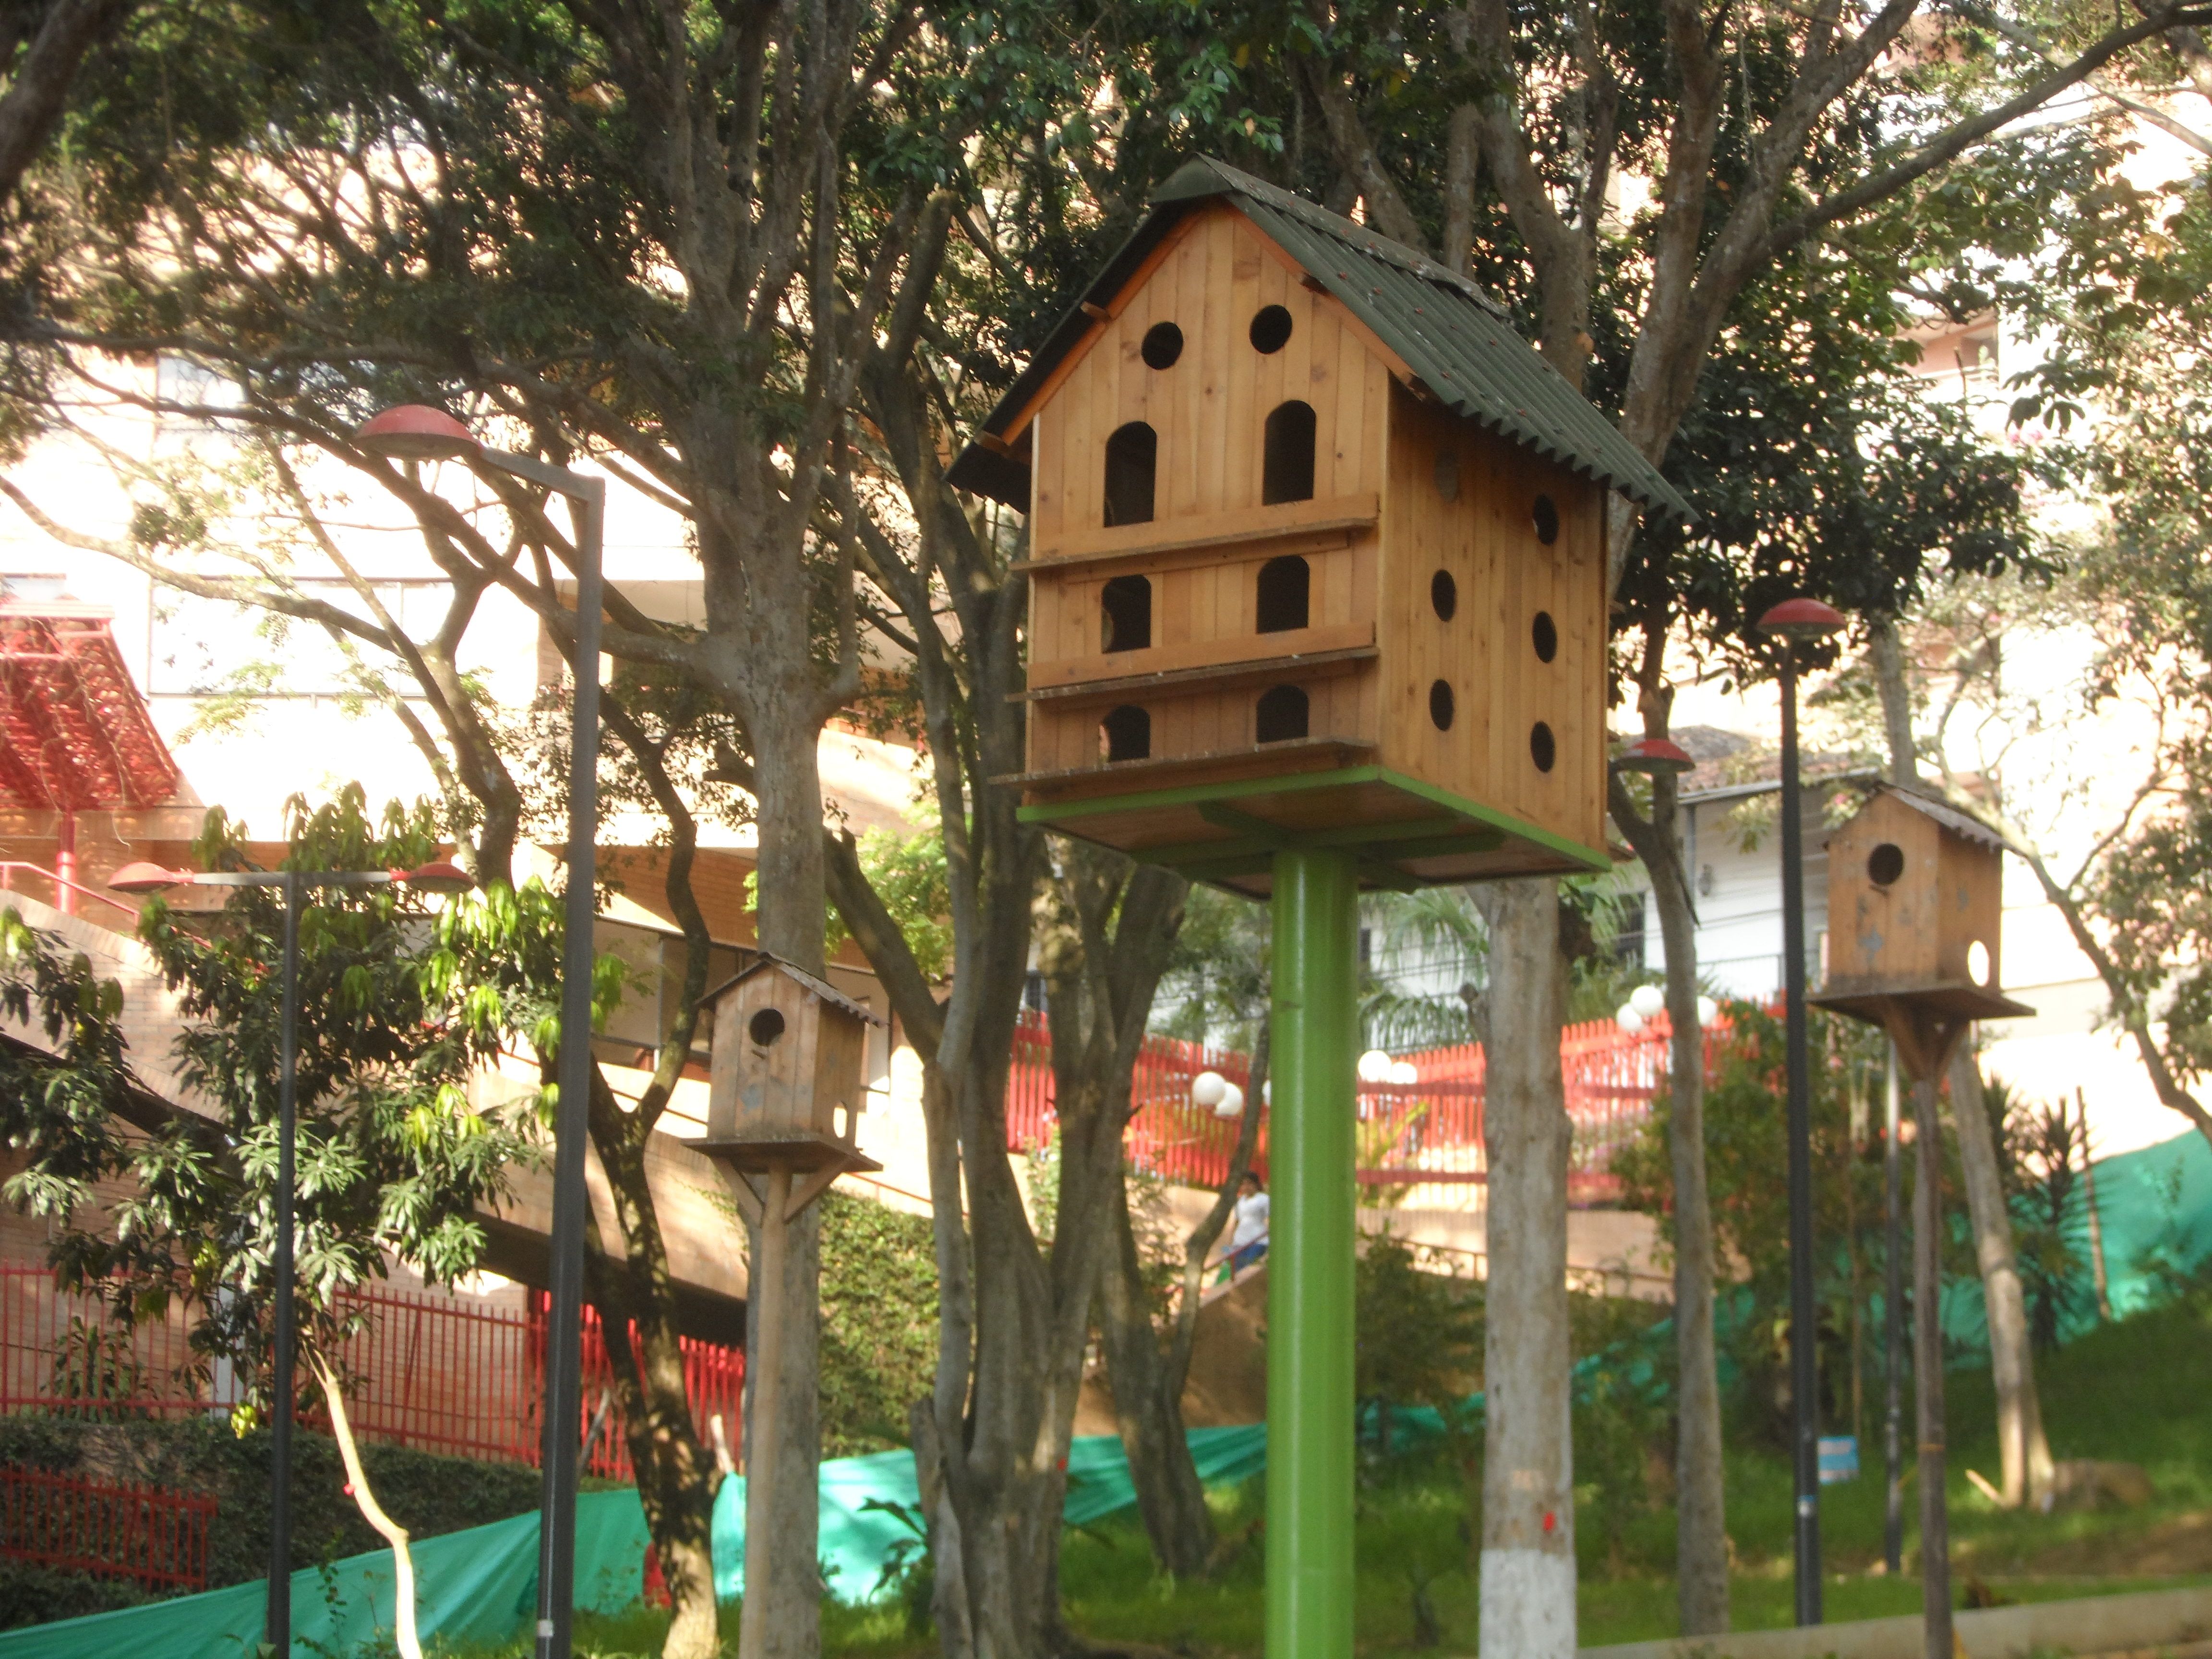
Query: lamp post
(436, 877)
(1791, 622)
(415, 432)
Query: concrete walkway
(2173, 1624)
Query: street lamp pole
(1792, 621)
(437, 876)
(414, 431)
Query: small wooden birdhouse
(787, 1076)
(1914, 907)
(1317, 555)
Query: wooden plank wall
(1881, 933)
(1209, 409)
(1486, 539)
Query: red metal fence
(158, 1538)
(424, 1370)
(1427, 1132)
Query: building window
(1628, 934)
(1126, 733)
(1285, 586)
(1281, 716)
(1287, 472)
(1132, 460)
(1125, 621)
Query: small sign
(1839, 1458)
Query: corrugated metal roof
(1959, 822)
(1457, 340)
(821, 988)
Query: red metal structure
(1424, 1132)
(158, 1539)
(75, 735)
(424, 1370)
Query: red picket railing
(158, 1539)
(1423, 1133)
(713, 1382)
(423, 1371)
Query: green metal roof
(1458, 342)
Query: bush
(878, 1322)
(426, 1493)
(37, 1595)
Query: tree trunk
(403, 1634)
(1887, 652)
(1701, 1530)
(1701, 1515)
(674, 1476)
(1927, 1370)
(1148, 1379)
(2025, 1452)
(1528, 1566)
(1148, 1411)
(782, 1617)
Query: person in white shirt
(1248, 1241)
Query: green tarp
(477, 1585)
(2155, 1206)
(869, 1504)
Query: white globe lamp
(1375, 1066)
(1404, 1072)
(1232, 1103)
(1648, 1000)
(1628, 1019)
(1207, 1091)
(1708, 1012)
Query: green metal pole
(1310, 1154)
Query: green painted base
(1398, 832)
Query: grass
(2139, 1392)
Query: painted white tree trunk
(1528, 1572)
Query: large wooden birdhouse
(787, 1072)
(1317, 555)
(1915, 910)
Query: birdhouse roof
(820, 987)
(1460, 344)
(1950, 817)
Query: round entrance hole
(765, 1027)
(1270, 329)
(1544, 634)
(1440, 705)
(1162, 345)
(1543, 747)
(1979, 965)
(1443, 594)
(1545, 516)
(1885, 864)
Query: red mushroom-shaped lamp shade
(144, 877)
(1801, 619)
(416, 432)
(439, 876)
(1654, 756)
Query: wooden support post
(762, 1449)
(1928, 1369)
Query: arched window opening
(1281, 715)
(1125, 606)
(1287, 472)
(1132, 458)
(1127, 733)
(1284, 587)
